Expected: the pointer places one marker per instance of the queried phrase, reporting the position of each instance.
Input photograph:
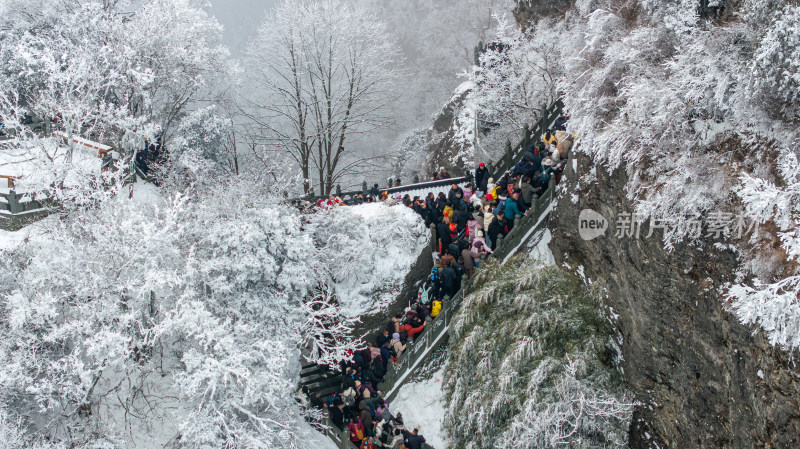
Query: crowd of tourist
(469, 221)
(149, 156)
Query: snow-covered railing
(17, 210)
(497, 169)
(391, 190)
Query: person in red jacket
(356, 431)
(412, 331)
(369, 443)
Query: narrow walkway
(321, 380)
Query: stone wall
(704, 379)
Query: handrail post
(509, 156)
(416, 179)
(527, 139)
(434, 238)
(364, 189)
(13, 202)
(338, 190)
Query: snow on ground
(146, 193)
(319, 441)
(541, 252)
(422, 407)
(10, 240)
(369, 249)
(423, 192)
(527, 238)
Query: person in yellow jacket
(448, 212)
(436, 307)
(549, 138)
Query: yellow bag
(436, 308)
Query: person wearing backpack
(436, 308)
(449, 280)
(356, 431)
(395, 344)
(436, 284)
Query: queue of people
(469, 221)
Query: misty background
(437, 38)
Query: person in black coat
(461, 216)
(431, 200)
(374, 191)
(348, 379)
(424, 212)
(481, 177)
(451, 194)
(414, 440)
(337, 414)
(497, 228)
(449, 280)
(443, 231)
(382, 338)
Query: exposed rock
(446, 144)
(531, 10)
(704, 379)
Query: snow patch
(541, 252)
(369, 249)
(422, 406)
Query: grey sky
(241, 19)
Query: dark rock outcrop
(444, 148)
(704, 379)
(532, 10)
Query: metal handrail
(498, 169)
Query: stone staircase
(323, 380)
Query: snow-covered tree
(366, 247)
(772, 301)
(320, 73)
(544, 381)
(517, 76)
(152, 320)
(98, 70)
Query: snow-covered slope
(422, 406)
(368, 249)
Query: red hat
(489, 197)
(481, 165)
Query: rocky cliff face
(448, 143)
(704, 379)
